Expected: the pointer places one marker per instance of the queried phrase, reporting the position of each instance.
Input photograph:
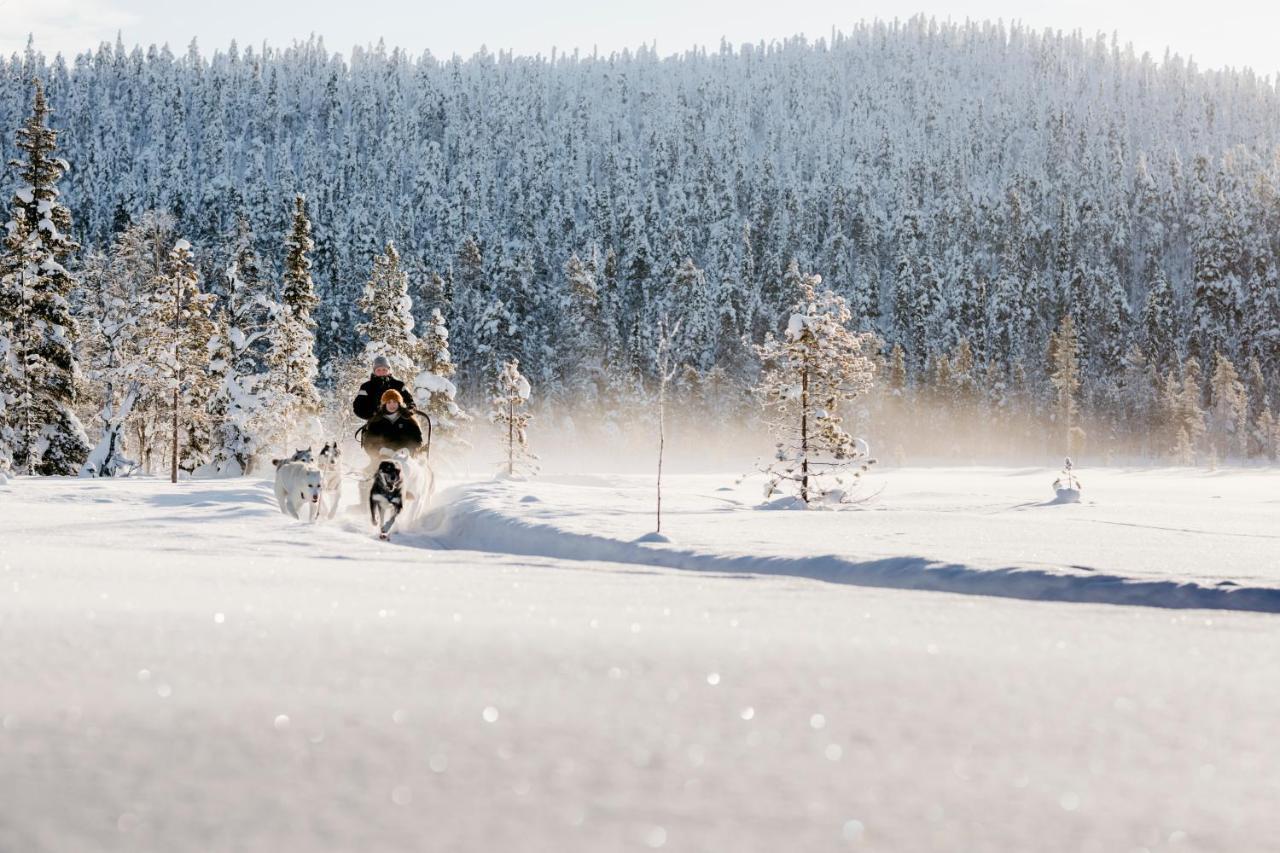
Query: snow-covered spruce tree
(915, 293)
(1255, 383)
(140, 272)
(1159, 330)
(238, 407)
(1138, 391)
(1228, 410)
(1064, 375)
(897, 378)
(110, 325)
(510, 399)
(12, 368)
(1265, 435)
(39, 430)
(787, 290)
(192, 381)
(809, 373)
(213, 459)
(732, 354)
(1114, 321)
(1188, 416)
(388, 310)
(964, 377)
(10, 383)
(434, 391)
(1217, 290)
(692, 307)
(583, 367)
(289, 392)
(1262, 306)
(492, 333)
(612, 317)
(472, 312)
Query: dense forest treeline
(965, 188)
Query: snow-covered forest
(636, 451)
(1056, 242)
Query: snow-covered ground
(1172, 538)
(184, 668)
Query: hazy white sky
(1225, 32)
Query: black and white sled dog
(330, 466)
(401, 485)
(386, 497)
(298, 486)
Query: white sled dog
(409, 495)
(298, 488)
(330, 466)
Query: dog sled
(398, 482)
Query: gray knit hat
(381, 361)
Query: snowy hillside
(963, 186)
(184, 668)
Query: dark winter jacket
(369, 397)
(399, 433)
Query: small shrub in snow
(1067, 487)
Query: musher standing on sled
(369, 397)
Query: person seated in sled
(392, 426)
(370, 395)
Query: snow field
(1168, 538)
(185, 668)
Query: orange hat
(390, 395)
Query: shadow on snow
(461, 521)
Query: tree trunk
(511, 438)
(662, 441)
(116, 426)
(804, 433)
(28, 424)
(177, 373)
(173, 468)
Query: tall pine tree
(809, 375)
(1064, 373)
(39, 430)
(388, 309)
(292, 359)
(239, 407)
